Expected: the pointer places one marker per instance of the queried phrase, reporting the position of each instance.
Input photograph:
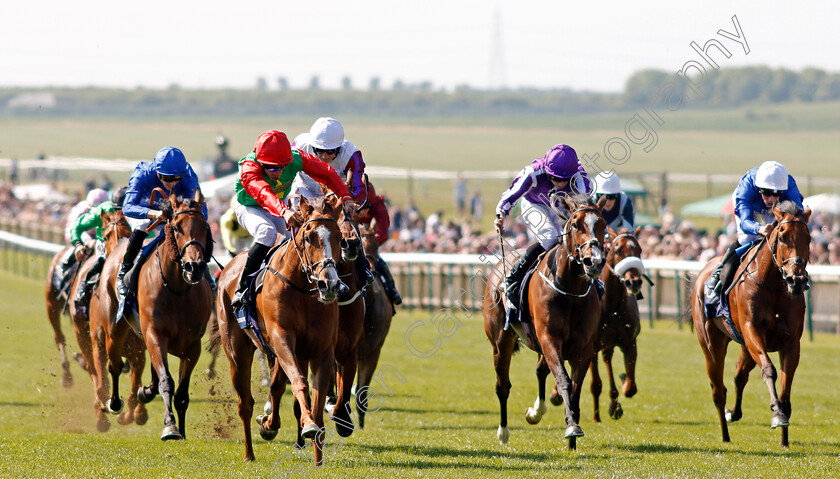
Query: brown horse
(767, 309)
(115, 227)
(56, 305)
(378, 313)
(299, 323)
(619, 324)
(565, 308)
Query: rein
(553, 283)
(567, 230)
(772, 248)
(307, 265)
(180, 253)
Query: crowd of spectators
(411, 231)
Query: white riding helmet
(607, 185)
(326, 134)
(772, 175)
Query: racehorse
(174, 303)
(378, 313)
(299, 324)
(56, 304)
(563, 302)
(619, 325)
(115, 227)
(767, 310)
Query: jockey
(757, 192)
(94, 197)
(326, 142)
(375, 209)
(265, 178)
(558, 170)
(88, 221)
(170, 172)
(234, 237)
(618, 210)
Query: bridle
(567, 229)
(796, 260)
(201, 246)
(310, 268)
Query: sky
(584, 45)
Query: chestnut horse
(56, 305)
(378, 313)
(299, 323)
(565, 308)
(174, 303)
(619, 324)
(114, 228)
(768, 311)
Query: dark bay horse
(619, 325)
(114, 228)
(768, 311)
(564, 305)
(378, 313)
(56, 305)
(297, 313)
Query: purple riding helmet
(561, 161)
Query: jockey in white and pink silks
(558, 170)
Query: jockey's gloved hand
(155, 214)
(293, 219)
(90, 244)
(80, 252)
(499, 223)
(349, 206)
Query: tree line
(723, 88)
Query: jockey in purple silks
(558, 170)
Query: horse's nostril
(587, 261)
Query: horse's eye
(177, 228)
(307, 240)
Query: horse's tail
(688, 281)
(215, 340)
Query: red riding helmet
(273, 148)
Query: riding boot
(363, 271)
(135, 244)
(256, 255)
(390, 284)
(725, 273)
(513, 280)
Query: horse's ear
(199, 196)
(807, 213)
(305, 207)
(173, 199)
(779, 214)
(638, 231)
(601, 202)
(105, 216)
(570, 205)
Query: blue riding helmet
(170, 161)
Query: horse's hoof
(267, 409)
(555, 398)
(309, 431)
(779, 419)
(144, 396)
(532, 416)
(125, 418)
(141, 416)
(114, 407)
(67, 379)
(574, 431)
(617, 412)
(265, 433)
(210, 373)
(103, 424)
(170, 432)
(503, 434)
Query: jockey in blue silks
(170, 172)
(618, 209)
(757, 192)
(558, 170)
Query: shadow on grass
(24, 404)
(443, 451)
(434, 411)
(670, 448)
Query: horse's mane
(790, 208)
(318, 204)
(581, 200)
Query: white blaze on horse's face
(330, 272)
(591, 219)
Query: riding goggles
(272, 167)
(171, 178)
(767, 192)
(557, 178)
(319, 151)
(611, 196)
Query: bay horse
(299, 323)
(114, 228)
(619, 325)
(378, 313)
(56, 305)
(767, 308)
(174, 303)
(563, 302)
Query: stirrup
(239, 300)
